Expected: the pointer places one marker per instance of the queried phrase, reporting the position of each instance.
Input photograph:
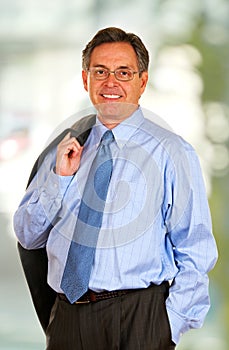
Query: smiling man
(114, 74)
(124, 218)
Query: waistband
(90, 296)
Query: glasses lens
(124, 74)
(99, 73)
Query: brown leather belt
(90, 296)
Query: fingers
(68, 156)
(70, 146)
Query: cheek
(93, 91)
(134, 94)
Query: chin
(113, 110)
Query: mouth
(111, 96)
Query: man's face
(113, 56)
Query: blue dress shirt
(156, 225)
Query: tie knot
(107, 137)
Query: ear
(144, 80)
(84, 77)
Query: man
(150, 252)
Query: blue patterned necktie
(81, 253)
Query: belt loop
(92, 296)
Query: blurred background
(40, 86)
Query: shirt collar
(123, 131)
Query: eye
(100, 72)
(124, 74)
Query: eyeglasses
(122, 74)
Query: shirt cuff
(177, 324)
(56, 185)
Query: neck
(113, 114)
(109, 125)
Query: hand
(68, 156)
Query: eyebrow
(103, 66)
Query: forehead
(114, 55)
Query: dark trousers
(135, 321)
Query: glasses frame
(108, 72)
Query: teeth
(111, 96)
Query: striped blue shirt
(156, 224)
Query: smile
(111, 96)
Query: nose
(111, 80)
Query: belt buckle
(83, 302)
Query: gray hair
(111, 35)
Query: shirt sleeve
(189, 230)
(39, 208)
